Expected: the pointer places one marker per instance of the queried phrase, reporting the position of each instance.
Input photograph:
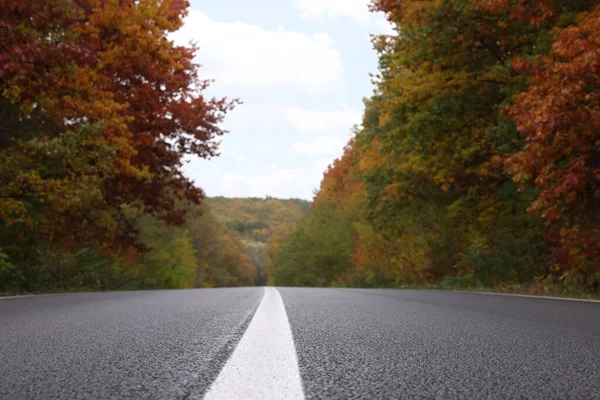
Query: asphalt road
(157, 344)
(348, 344)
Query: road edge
(19, 297)
(531, 296)
(528, 296)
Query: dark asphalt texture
(396, 344)
(351, 343)
(126, 345)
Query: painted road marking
(264, 364)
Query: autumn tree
(68, 64)
(318, 251)
(99, 109)
(482, 111)
(559, 115)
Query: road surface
(298, 343)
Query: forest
(257, 222)
(98, 111)
(477, 163)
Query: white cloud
(383, 27)
(317, 9)
(275, 181)
(232, 178)
(293, 119)
(292, 123)
(248, 55)
(312, 140)
(323, 146)
(322, 121)
(358, 10)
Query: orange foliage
(559, 114)
(338, 183)
(109, 61)
(535, 12)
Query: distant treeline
(257, 221)
(478, 159)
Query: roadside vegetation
(98, 110)
(477, 164)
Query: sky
(301, 69)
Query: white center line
(264, 364)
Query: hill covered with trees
(257, 221)
(478, 159)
